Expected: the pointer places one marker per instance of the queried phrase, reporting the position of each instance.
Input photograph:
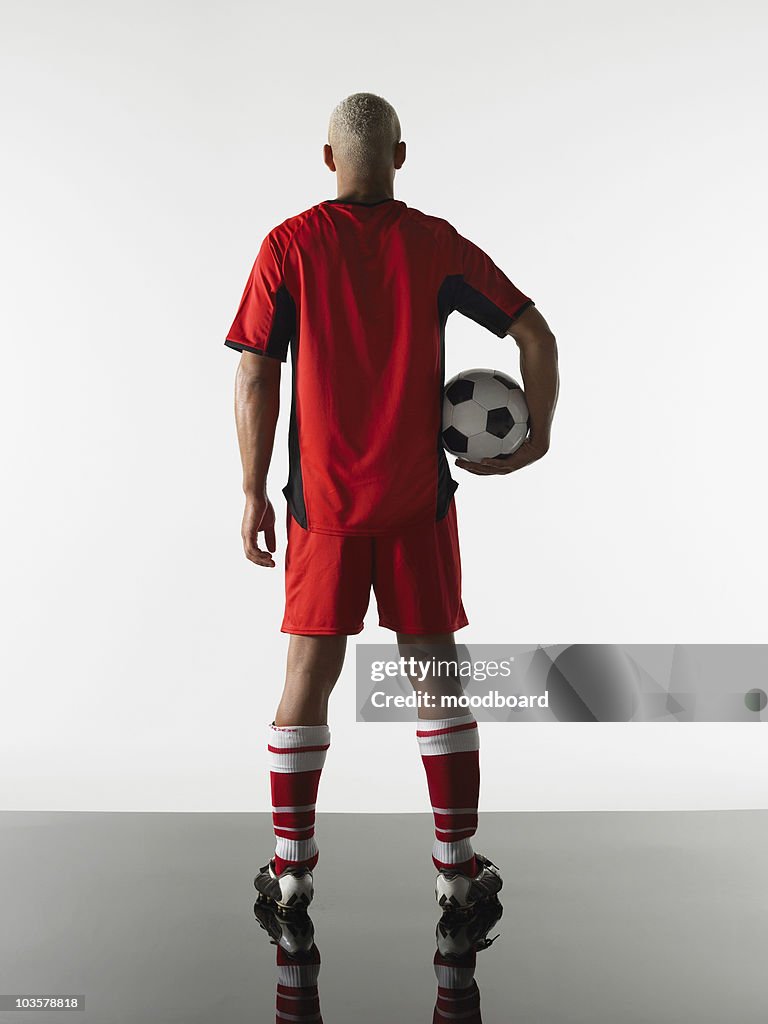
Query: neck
(365, 191)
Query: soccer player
(359, 289)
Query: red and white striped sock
(297, 997)
(296, 759)
(450, 753)
(458, 996)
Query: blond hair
(363, 131)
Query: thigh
(327, 582)
(417, 578)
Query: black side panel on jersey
(294, 489)
(281, 332)
(283, 326)
(478, 307)
(446, 485)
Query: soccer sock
(458, 996)
(450, 753)
(296, 758)
(297, 996)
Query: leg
(417, 580)
(440, 646)
(299, 739)
(449, 743)
(313, 668)
(327, 587)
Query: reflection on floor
(633, 918)
(460, 936)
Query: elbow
(258, 371)
(542, 342)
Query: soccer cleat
(290, 891)
(455, 891)
(293, 933)
(460, 936)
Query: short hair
(363, 131)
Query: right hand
(528, 452)
(259, 517)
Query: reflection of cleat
(293, 933)
(290, 891)
(455, 891)
(459, 936)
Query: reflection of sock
(449, 750)
(296, 758)
(297, 995)
(458, 997)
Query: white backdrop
(608, 156)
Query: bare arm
(538, 366)
(257, 405)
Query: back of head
(363, 132)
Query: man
(359, 288)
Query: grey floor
(621, 918)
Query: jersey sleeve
(266, 318)
(484, 293)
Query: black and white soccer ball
(485, 415)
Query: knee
(309, 684)
(316, 661)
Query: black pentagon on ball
(500, 422)
(454, 440)
(460, 391)
(511, 384)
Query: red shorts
(415, 574)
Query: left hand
(528, 452)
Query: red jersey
(360, 293)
